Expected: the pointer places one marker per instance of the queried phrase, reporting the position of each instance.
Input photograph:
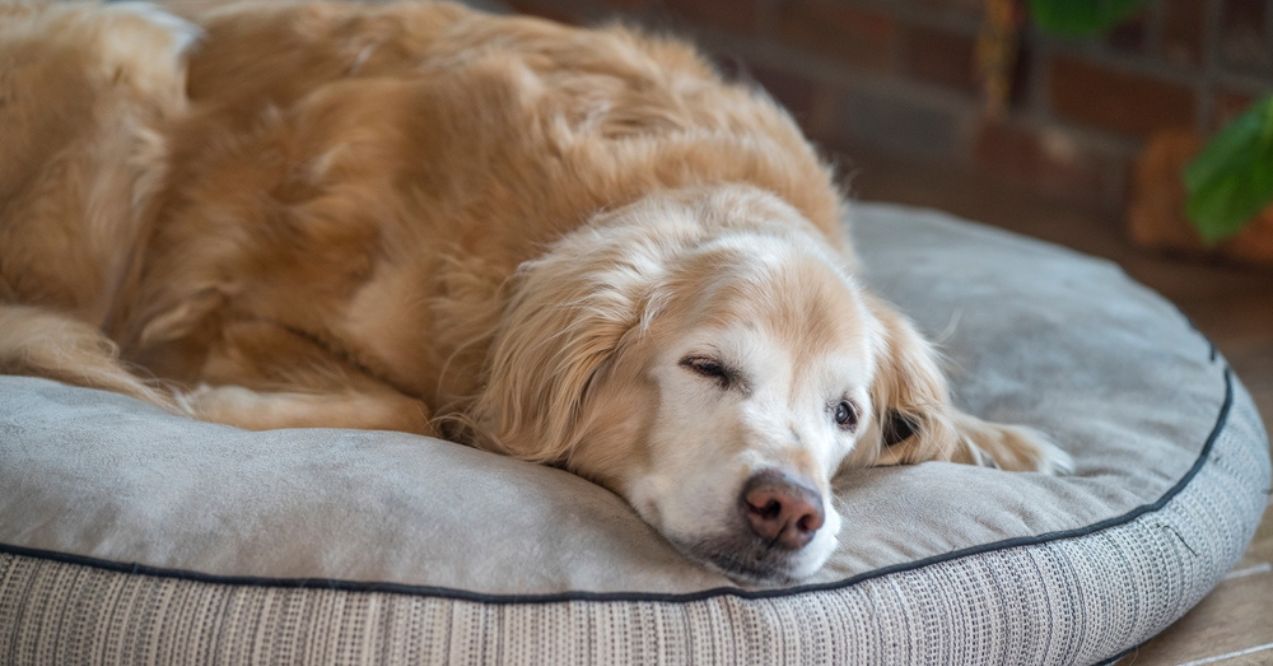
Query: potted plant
(1189, 193)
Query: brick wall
(898, 78)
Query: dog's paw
(217, 403)
(1012, 448)
(1043, 456)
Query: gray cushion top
(1033, 335)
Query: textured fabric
(939, 563)
(1077, 600)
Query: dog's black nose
(781, 508)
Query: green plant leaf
(1231, 180)
(1077, 18)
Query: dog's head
(707, 356)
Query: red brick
(962, 11)
(878, 119)
(1131, 35)
(1022, 74)
(795, 92)
(1117, 101)
(1244, 45)
(941, 57)
(1182, 31)
(852, 35)
(626, 5)
(733, 15)
(972, 8)
(562, 11)
(1053, 162)
(1228, 105)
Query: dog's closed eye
(710, 368)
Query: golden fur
(413, 216)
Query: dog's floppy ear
(913, 419)
(566, 320)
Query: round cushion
(132, 534)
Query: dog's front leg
(267, 410)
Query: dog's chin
(744, 559)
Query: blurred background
(978, 87)
(1080, 136)
(973, 107)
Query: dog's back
(364, 175)
(84, 91)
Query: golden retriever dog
(579, 247)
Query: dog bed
(130, 535)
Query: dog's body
(421, 218)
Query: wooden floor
(1232, 305)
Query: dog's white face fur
(774, 409)
(724, 341)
